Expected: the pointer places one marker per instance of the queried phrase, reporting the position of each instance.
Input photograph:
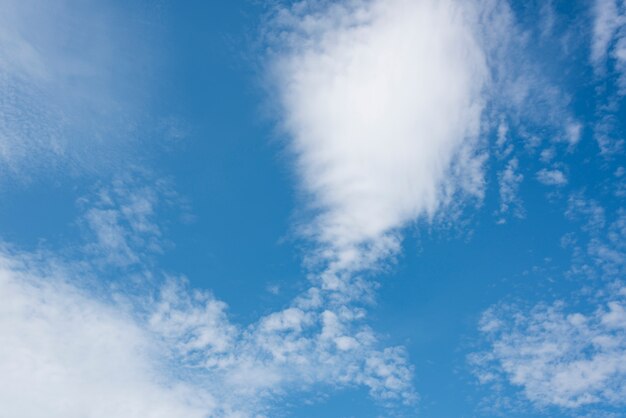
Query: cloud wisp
(72, 84)
(608, 44)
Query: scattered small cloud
(121, 220)
(573, 131)
(558, 356)
(509, 181)
(553, 177)
(169, 351)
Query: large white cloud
(382, 103)
(64, 353)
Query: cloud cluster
(509, 181)
(557, 355)
(169, 352)
(120, 219)
(570, 357)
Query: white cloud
(547, 154)
(72, 352)
(558, 356)
(573, 130)
(601, 252)
(553, 177)
(608, 56)
(66, 354)
(504, 147)
(607, 21)
(122, 219)
(535, 103)
(508, 181)
(382, 102)
(609, 39)
(588, 211)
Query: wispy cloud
(609, 38)
(608, 57)
(121, 219)
(509, 181)
(71, 86)
(600, 253)
(381, 103)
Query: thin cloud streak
(73, 85)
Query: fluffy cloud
(551, 177)
(382, 103)
(570, 357)
(559, 356)
(169, 352)
(66, 354)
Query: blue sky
(362, 208)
